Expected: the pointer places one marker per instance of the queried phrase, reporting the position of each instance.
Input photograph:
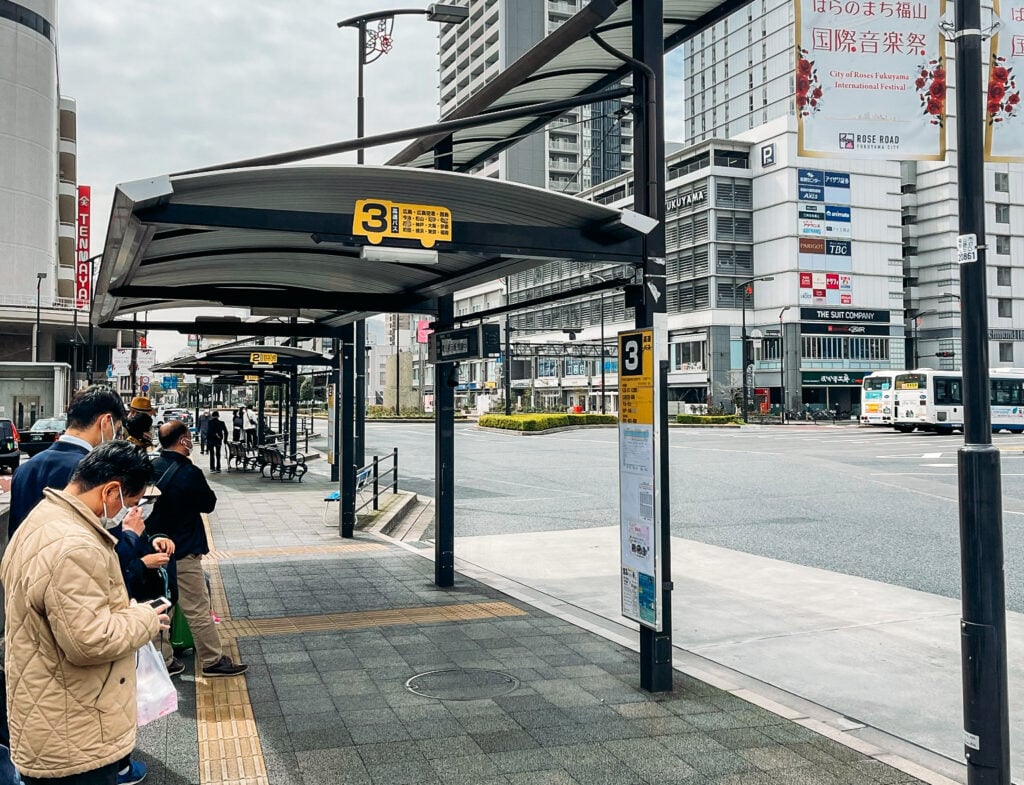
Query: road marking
(932, 455)
(940, 465)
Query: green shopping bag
(181, 635)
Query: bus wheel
(944, 431)
(904, 428)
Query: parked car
(174, 414)
(10, 450)
(42, 434)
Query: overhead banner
(83, 269)
(1004, 117)
(870, 79)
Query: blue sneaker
(136, 772)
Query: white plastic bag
(155, 695)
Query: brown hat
(140, 403)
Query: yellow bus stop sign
(376, 219)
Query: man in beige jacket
(71, 631)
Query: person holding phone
(147, 568)
(71, 630)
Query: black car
(42, 434)
(10, 451)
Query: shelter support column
(444, 458)
(444, 428)
(336, 436)
(346, 460)
(261, 412)
(293, 411)
(649, 199)
(360, 427)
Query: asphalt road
(865, 502)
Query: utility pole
(983, 624)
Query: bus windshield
(877, 383)
(911, 381)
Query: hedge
(706, 419)
(543, 422)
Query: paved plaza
(333, 630)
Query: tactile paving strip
(296, 625)
(298, 550)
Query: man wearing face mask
(71, 630)
(94, 416)
(177, 514)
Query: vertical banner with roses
(870, 79)
(1004, 114)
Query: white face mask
(112, 523)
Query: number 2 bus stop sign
(639, 468)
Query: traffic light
(945, 354)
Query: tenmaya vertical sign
(83, 268)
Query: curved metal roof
(283, 240)
(566, 63)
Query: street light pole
(602, 354)
(986, 722)
(743, 334)
(782, 364)
(35, 343)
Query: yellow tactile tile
(298, 550)
(296, 625)
(230, 752)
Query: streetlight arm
(362, 19)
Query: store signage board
(639, 469)
(466, 343)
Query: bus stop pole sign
(639, 497)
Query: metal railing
(29, 301)
(372, 474)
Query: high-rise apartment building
(582, 148)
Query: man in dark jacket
(95, 415)
(177, 514)
(216, 435)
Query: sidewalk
(333, 630)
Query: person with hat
(141, 404)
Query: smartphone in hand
(159, 604)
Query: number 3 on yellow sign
(376, 219)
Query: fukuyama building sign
(842, 315)
(686, 200)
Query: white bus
(933, 400)
(929, 401)
(1007, 385)
(877, 398)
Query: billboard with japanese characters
(870, 79)
(1004, 115)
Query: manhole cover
(459, 684)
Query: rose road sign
(466, 343)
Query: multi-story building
(739, 76)
(38, 196)
(582, 148)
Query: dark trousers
(106, 775)
(250, 437)
(214, 448)
(202, 442)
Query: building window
(1002, 213)
(1005, 352)
(688, 356)
(1003, 182)
(1003, 244)
(1005, 308)
(1002, 276)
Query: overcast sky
(167, 86)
